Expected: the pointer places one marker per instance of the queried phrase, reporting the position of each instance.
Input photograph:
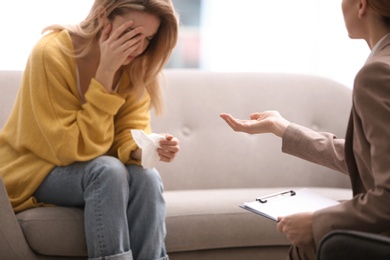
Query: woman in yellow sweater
(68, 142)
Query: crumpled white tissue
(149, 144)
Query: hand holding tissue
(148, 144)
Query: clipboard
(288, 202)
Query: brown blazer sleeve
(318, 147)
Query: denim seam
(98, 218)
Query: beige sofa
(216, 170)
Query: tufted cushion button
(186, 131)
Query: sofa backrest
(9, 85)
(214, 156)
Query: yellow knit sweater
(51, 126)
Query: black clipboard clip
(283, 193)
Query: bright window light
(301, 36)
(22, 21)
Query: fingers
(106, 33)
(169, 148)
(129, 34)
(283, 227)
(227, 117)
(297, 228)
(280, 225)
(255, 116)
(130, 40)
(171, 144)
(122, 42)
(121, 30)
(129, 46)
(239, 125)
(125, 33)
(168, 137)
(165, 155)
(232, 122)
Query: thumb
(279, 226)
(255, 116)
(168, 137)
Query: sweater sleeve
(63, 130)
(318, 147)
(134, 114)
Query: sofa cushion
(196, 220)
(212, 219)
(54, 231)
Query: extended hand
(169, 147)
(265, 122)
(297, 228)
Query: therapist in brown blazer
(365, 152)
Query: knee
(148, 179)
(109, 169)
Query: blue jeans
(123, 204)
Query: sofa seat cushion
(212, 219)
(54, 231)
(196, 220)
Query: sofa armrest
(13, 243)
(343, 244)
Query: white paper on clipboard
(288, 202)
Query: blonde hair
(145, 70)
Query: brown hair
(382, 7)
(143, 71)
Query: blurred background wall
(301, 36)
